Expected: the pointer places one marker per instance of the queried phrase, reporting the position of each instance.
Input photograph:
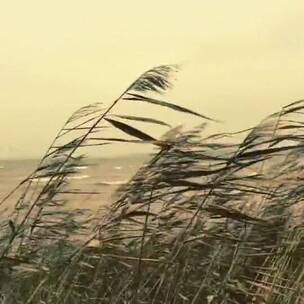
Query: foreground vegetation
(209, 219)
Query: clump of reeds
(208, 219)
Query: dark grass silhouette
(206, 220)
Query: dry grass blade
(130, 130)
(143, 119)
(137, 97)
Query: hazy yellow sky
(241, 59)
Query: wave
(80, 167)
(78, 176)
(46, 179)
(112, 183)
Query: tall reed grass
(208, 219)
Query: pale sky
(241, 59)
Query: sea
(96, 180)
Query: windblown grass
(206, 220)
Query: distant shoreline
(129, 156)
